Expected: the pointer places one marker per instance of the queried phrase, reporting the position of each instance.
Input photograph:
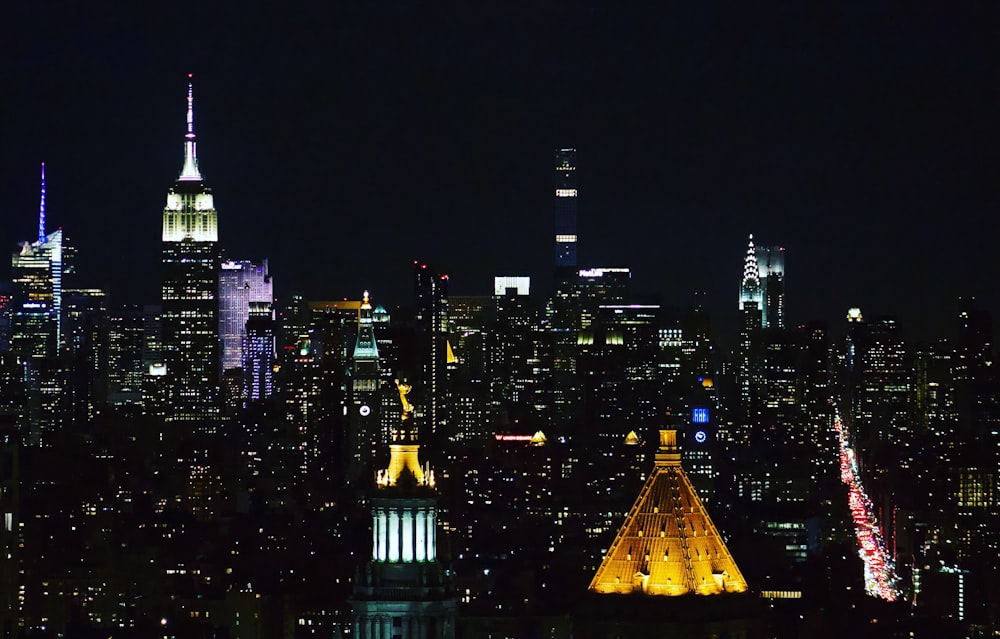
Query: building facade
(190, 289)
(241, 283)
(403, 590)
(566, 193)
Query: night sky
(344, 141)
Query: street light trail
(880, 573)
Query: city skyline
(280, 250)
(447, 159)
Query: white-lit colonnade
(404, 532)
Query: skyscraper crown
(750, 290)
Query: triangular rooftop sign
(668, 544)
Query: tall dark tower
(566, 209)
(190, 291)
(563, 309)
(403, 590)
(771, 265)
(431, 301)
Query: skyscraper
(749, 364)
(190, 290)
(259, 355)
(126, 340)
(566, 208)
(364, 403)
(431, 297)
(750, 285)
(771, 268)
(37, 270)
(35, 329)
(241, 283)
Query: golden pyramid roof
(668, 544)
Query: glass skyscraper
(37, 269)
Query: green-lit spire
(365, 348)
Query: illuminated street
(880, 573)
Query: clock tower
(404, 591)
(363, 438)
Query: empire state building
(190, 286)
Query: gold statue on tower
(404, 390)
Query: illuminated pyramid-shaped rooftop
(668, 544)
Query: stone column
(421, 543)
(394, 535)
(383, 535)
(432, 535)
(407, 535)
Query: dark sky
(343, 141)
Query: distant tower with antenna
(41, 210)
(37, 270)
(749, 370)
(190, 287)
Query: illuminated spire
(365, 348)
(190, 171)
(750, 290)
(41, 211)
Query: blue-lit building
(259, 354)
(36, 303)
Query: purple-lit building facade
(241, 283)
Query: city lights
(880, 572)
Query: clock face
(365, 410)
(700, 437)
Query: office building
(617, 363)
(241, 283)
(259, 355)
(432, 350)
(570, 312)
(771, 267)
(126, 368)
(190, 310)
(37, 276)
(85, 349)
